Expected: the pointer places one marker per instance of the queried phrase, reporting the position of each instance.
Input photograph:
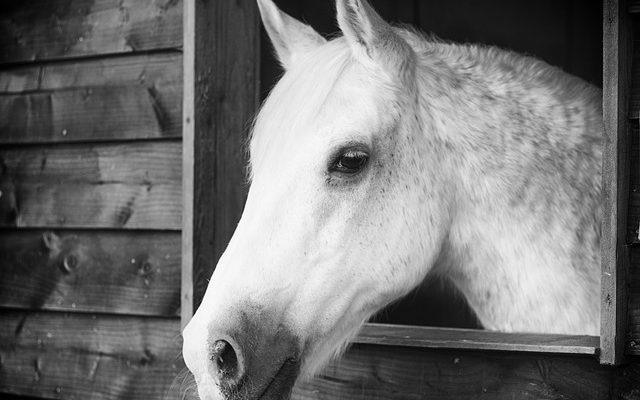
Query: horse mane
(505, 64)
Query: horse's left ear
(290, 37)
(372, 40)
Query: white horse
(379, 157)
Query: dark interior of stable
(566, 33)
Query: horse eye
(350, 162)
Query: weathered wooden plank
(633, 297)
(617, 51)
(220, 98)
(132, 185)
(187, 304)
(83, 356)
(634, 101)
(159, 74)
(58, 29)
(88, 114)
(418, 336)
(91, 271)
(7, 396)
(370, 372)
(633, 219)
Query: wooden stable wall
(91, 215)
(90, 198)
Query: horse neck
(526, 171)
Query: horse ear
(373, 40)
(289, 37)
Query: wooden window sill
(450, 338)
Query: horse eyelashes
(349, 161)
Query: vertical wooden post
(617, 55)
(221, 89)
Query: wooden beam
(221, 64)
(617, 54)
(117, 272)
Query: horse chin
(274, 387)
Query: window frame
(214, 186)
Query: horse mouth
(281, 385)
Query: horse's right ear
(373, 41)
(290, 37)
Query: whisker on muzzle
(183, 387)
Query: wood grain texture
(617, 53)
(378, 372)
(160, 75)
(415, 336)
(633, 297)
(56, 29)
(634, 100)
(84, 356)
(220, 98)
(136, 273)
(633, 219)
(7, 396)
(134, 185)
(633, 224)
(187, 306)
(88, 114)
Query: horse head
(327, 236)
(381, 156)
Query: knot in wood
(69, 263)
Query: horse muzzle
(250, 357)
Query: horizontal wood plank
(91, 271)
(134, 185)
(56, 29)
(83, 356)
(7, 396)
(427, 337)
(369, 372)
(88, 114)
(151, 78)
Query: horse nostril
(225, 359)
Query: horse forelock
(297, 97)
(302, 93)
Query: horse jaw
(315, 253)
